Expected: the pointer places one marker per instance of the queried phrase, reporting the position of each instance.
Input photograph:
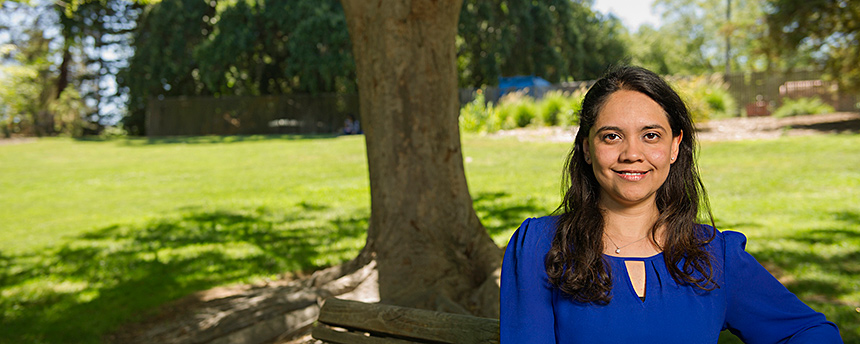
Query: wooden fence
(235, 115)
(760, 93)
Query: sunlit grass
(98, 233)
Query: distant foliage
(474, 116)
(247, 48)
(554, 39)
(69, 111)
(19, 99)
(802, 106)
(707, 97)
(828, 28)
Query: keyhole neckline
(658, 255)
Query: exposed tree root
(275, 312)
(279, 311)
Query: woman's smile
(632, 175)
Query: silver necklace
(618, 248)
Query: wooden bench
(342, 321)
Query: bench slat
(410, 322)
(338, 337)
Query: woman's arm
(762, 310)
(526, 295)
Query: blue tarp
(516, 83)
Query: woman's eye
(611, 137)
(652, 136)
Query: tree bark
(431, 249)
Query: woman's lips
(633, 176)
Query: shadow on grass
(842, 127)
(824, 272)
(84, 289)
(206, 139)
(500, 212)
(211, 139)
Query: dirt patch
(768, 127)
(17, 140)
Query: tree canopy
(193, 47)
(558, 40)
(74, 48)
(764, 35)
(828, 28)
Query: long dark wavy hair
(575, 262)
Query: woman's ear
(676, 144)
(586, 152)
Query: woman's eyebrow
(608, 127)
(653, 126)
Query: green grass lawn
(94, 234)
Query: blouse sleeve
(526, 295)
(760, 309)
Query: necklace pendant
(617, 250)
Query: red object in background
(757, 109)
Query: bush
(550, 107)
(114, 131)
(707, 97)
(515, 110)
(802, 106)
(524, 112)
(570, 114)
(473, 116)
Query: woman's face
(630, 148)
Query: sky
(631, 12)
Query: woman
(626, 261)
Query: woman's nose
(632, 151)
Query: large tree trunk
(432, 251)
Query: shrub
(524, 112)
(514, 110)
(569, 116)
(707, 97)
(550, 107)
(473, 116)
(721, 103)
(802, 106)
(113, 131)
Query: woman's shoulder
(544, 226)
(721, 240)
(535, 234)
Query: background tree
(692, 39)
(191, 47)
(75, 47)
(431, 249)
(30, 89)
(163, 63)
(558, 40)
(829, 28)
(95, 36)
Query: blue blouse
(750, 302)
